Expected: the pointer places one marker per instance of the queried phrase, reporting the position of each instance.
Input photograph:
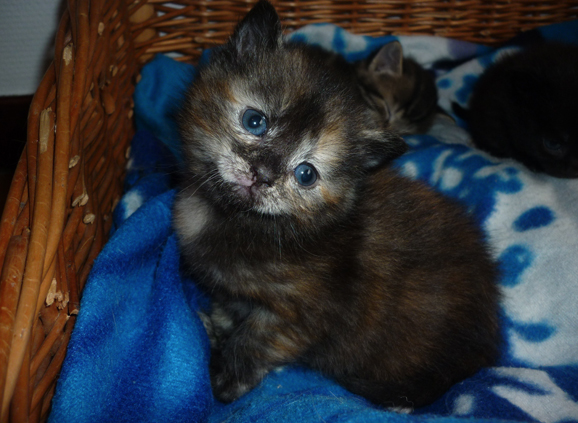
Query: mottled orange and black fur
(312, 249)
(399, 89)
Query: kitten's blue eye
(556, 147)
(552, 145)
(305, 174)
(254, 122)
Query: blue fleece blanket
(139, 352)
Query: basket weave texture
(69, 178)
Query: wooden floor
(13, 116)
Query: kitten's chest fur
(267, 260)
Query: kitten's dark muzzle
(263, 175)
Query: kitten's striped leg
(257, 346)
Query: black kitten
(313, 251)
(524, 107)
(402, 92)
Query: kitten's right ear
(388, 60)
(259, 29)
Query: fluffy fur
(368, 277)
(523, 107)
(400, 91)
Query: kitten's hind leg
(257, 346)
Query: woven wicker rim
(69, 178)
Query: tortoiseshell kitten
(524, 107)
(400, 90)
(312, 249)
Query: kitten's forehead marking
(303, 152)
(330, 145)
(244, 96)
(326, 153)
(330, 151)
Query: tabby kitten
(524, 107)
(400, 90)
(312, 249)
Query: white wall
(27, 30)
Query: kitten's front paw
(231, 380)
(227, 387)
(209, 328)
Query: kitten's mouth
(251, 186)
(250, 191)
(246, 191)
(247, 187)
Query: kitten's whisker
(193, 179)
(209, 179)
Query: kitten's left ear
(388, 60)
(381, 148)
(259, 29)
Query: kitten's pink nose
(244, 180)
(263, 175)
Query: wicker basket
(69, 178)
